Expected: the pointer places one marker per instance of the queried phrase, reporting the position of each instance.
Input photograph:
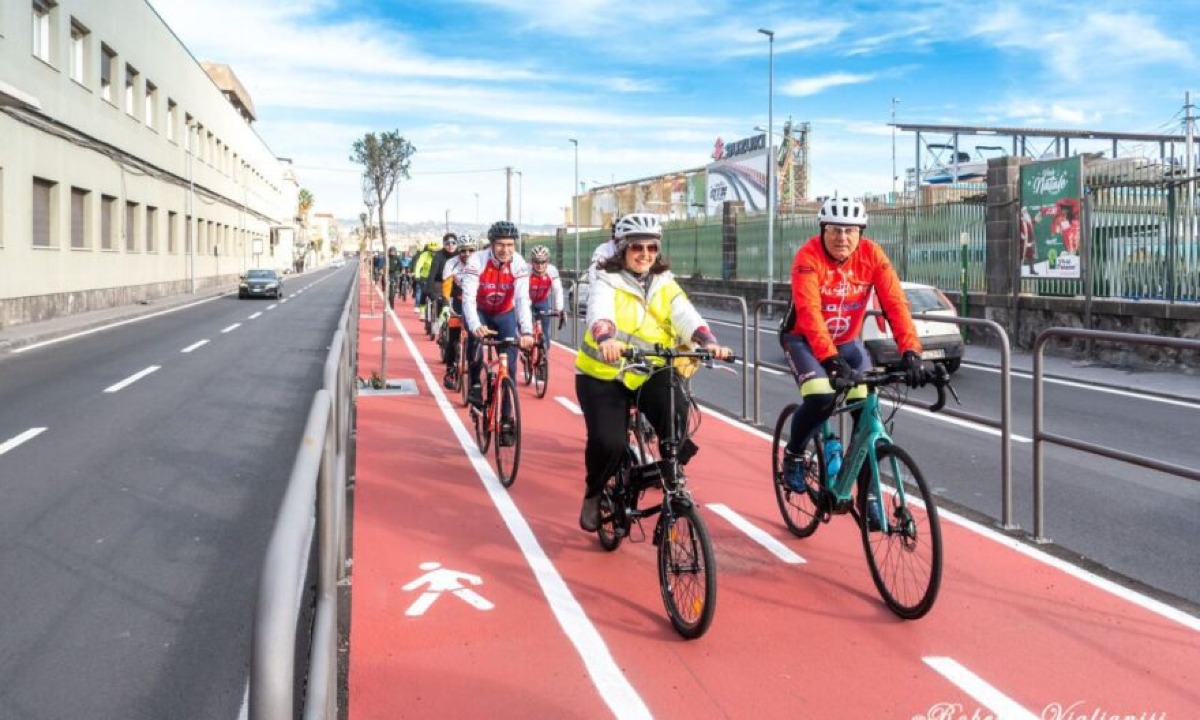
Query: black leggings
(605, 405)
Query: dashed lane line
(194, 346)
(1000, 704)
(568, 404)
(231, 328)
(24, 437)
(132, 379)
(255, 315)
(757, 534)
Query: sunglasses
(466, 251)
(644, 247)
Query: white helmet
(842, 211)
(540, 253)
(637, 224)
(467, 241)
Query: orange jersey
(831, 298)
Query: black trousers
(605, 405)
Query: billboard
(739, 173)
(1051, 218)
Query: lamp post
(520, 195)
(770, 163)
(476, 208)
(575, 207)
(894, 178)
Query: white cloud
(814, 85)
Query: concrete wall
(81, 141)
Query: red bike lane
(573, 631)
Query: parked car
(578, 298)
(261, 282)
(338, 262)
(941, 342)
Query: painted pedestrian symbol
(439, 580)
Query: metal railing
(315, 493)
(741, 303)
(758, 363)
(1041, 437)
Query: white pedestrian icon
(440, 580)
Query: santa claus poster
(1051, 218)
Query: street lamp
(520, 194)
(575, 207)
(894, 177)
(770, 163)
(476, 208)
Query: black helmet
(502, 229)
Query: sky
(646, 86)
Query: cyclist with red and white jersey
(832, 278)
(452, 293)
(545, 290)
(495, 300)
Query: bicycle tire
(687, 570)
(526, 366)
(905, 561)
(611, 532)
(799, 512)
(508, 457)
(483, 422)
(464, 383)
(541, 373)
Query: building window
(150, 104)
(80, 43)
(80, 202)
(108, 68)
(172, 232)
(43, 212)
(131, 78)
(151, 224)
(43, 31)
(130, 226)
(172, 119)
(108, 205)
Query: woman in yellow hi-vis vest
(634, 301)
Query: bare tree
(385, 159)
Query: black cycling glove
(562, 320)
(913, 369)
(836, 367)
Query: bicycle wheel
(541, 373)
(526, 365)
(443, 341)
(797, 508)
(906, 558)
(687, 570)
(508, 457)
(483, 421)
(611, 530)
(464, 383)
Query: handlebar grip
(939, 377)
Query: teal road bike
(878, 484)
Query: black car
(261, 283)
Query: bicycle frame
(496, 367)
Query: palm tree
(304, 203)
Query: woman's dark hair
(616, 263)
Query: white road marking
(764, 368)
(257, 314)
(568, 404)
(26, 436)
(1003, 707)
(607, 676)
(1194, 405)
(194, 346)
(272, 306)
(131, 379)
(232, 327)
(773, 546)
(102, 328)
(960, 422)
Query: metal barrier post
(757, 376)
(741, 301)
(1040, 436)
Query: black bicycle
(687, 568)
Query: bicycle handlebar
(938, 377)
(498, 342)
(636, 355)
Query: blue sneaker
(795, 470)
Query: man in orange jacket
(832, 278)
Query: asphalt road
(1138, 523)
(141, 469)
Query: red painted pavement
(805, 640)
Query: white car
(941, 342)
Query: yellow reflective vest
(644, 318)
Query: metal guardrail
(741, 303)
(315, 493)
(758, 306)
(1041, 437)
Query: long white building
(128, 170)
